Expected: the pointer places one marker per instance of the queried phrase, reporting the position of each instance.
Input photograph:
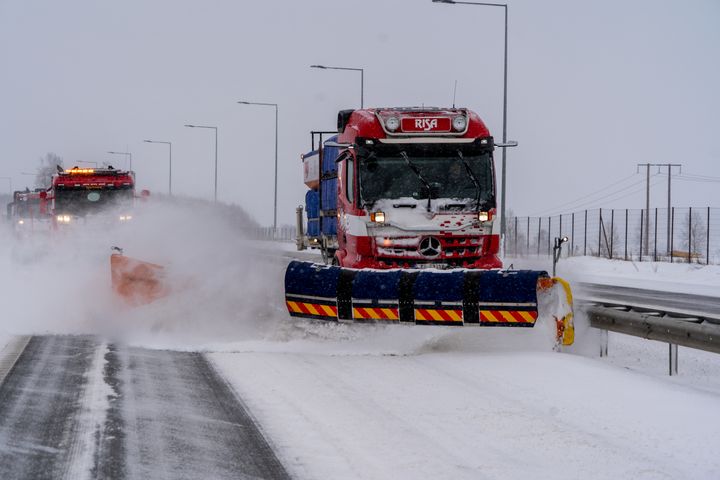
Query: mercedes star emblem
(429, 247)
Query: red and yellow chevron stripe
(375, 313)
(435, 315)
(303, 308)
(508, 316)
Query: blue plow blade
(491, 298)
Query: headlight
(483, 216)
(63, 218)
(21, 222)
(459, 123)
(377, 217)
(392, 123)
(125, 217)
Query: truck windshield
(28, 207)
(388, 176)
(83, 201)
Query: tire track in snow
(39, 405)
(180, 420)
(91, 420)
(76, 408)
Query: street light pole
(504, 6)
(276, 156)
(362, 78)
(126, 154)
(216, 150)
(170, 163)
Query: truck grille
(454, 250)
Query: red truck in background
(79, 194)
(404, 188)
(27, 209)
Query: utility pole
(647, 200)
(669, 228)
(645, 240)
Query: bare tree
(693, 235)
(510, 243)
(48, 167)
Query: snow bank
(671, 277)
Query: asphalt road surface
(74, 407)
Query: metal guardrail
(679, 314)
(663, 329)
(688, 332)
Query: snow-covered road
(78, 408)
(502, 415)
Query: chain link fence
(281, 234)
(679, 235)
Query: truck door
(346, 195)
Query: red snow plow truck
(92, 195)
(402, 207)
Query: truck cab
(414, 188)
(103, 195)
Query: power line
(709, 177)
(606, 195)
(697, 179)
(567, 205)
(612, 197)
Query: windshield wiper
(416, 170)
(474, 179)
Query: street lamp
(505, 76)
(170, 165)
(276, 155)
(214, 128)
(362, 80)
(126, 154)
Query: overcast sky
(595, 87)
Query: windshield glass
(84, 201)
(29, 207)
(387, 175)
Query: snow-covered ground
(358, 401)
(671, 277)
(441, 412)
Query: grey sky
(594, 88)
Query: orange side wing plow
(137, 282)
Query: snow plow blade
(485, 298)
(135, 281)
